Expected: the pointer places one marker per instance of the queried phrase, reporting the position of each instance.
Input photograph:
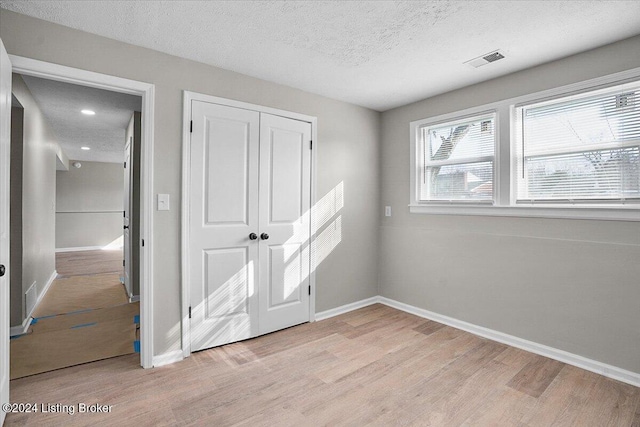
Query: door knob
(2, 270)
(264, 236)
(253, 236)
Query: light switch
(163, 202)
(387, 211)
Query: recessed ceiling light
(88, 112)
(85, 148)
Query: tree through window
(457, 160)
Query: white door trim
(5, 234)
(188, 97)
(32, 67)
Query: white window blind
(580, 149)
(457, 160)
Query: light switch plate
(163, 202)
(387, 211)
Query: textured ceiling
(379, 54)
(104, 133)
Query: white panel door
(285, 202)
(5, 151)
(126, 245)
(223, 214)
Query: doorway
(75, 305)
(36, 68)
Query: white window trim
(491, 114)
(504, 204)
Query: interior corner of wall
(62, 161)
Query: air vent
(493, 57)
(486, 59)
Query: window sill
(627, 213)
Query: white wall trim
(22, 329)
(167, 358)
(346, 308)
(618, 213)
(601, 368)
(47, 70)
(585, 363)
(188, 98)
(79, 249)
(186, 199)
(313, 233)
(505, 200)
(43, 293)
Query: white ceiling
(104, 133)
(379, 54)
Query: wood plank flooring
(89, 262)
(374, 366)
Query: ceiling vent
(486, 59)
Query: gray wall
(89, 203)
(347, 152)
(38, 193)
(569, 284)
(17, 147)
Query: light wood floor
(88, 262)
(374, 366)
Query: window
(580, 149)
(569, 152)
(457, 160)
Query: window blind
(580, 148)
(457, 160)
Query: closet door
(223, 214)
(285, 203)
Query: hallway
(85, 316)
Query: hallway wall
(89, 204)
(38, 199)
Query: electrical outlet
(387, 211)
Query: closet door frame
(188, 98)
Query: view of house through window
(584, 147)
(457, 160)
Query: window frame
(505, 162)
(520, 142)
(421, 146)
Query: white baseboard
(582, 362)
(346, 308)
(78, 249)
(604, 369)
(134, 298)
(22, 329)
(167, 358)
(44, 291)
